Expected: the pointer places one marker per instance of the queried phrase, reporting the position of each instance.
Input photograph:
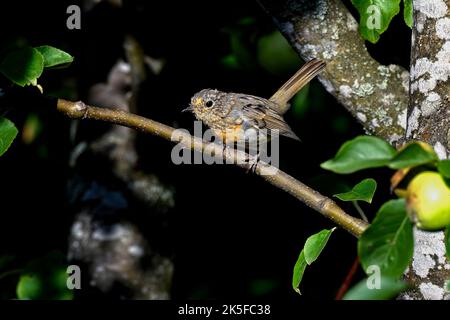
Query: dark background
(231, 234)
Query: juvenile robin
(231, 115)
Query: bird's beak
(190, 109)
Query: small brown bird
(231, 115)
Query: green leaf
(365, 289)
(23, 66)
(363, 152)
(388, 241)
(413, 155)
(315, 244)
(58, 284)
(408, 12)
(54, 57)
(443, 167)
(29, 287)
(299, 270)
(363, 191)
(45, 279)
(8, 132)
(312, 249)
(375, 16)
(447, 242)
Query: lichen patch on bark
(430, 268)
(431, 8)
(431, 291)
(430, 75)
(440, 150)
(376, 95)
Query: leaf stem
(360, 211)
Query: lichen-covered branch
(278, 178)
(376, 95)
(429, 121)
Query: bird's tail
(306, 73)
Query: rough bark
(429, 121)
(430, 270)
(429, 111)
(376, 95)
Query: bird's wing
(260, 116)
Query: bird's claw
(252, 163)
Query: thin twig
(278, 178)
(348, 279)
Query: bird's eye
(209, 103)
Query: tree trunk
(429, 121)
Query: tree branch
(312, 198)
(376, 95)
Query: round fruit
(428, 201)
